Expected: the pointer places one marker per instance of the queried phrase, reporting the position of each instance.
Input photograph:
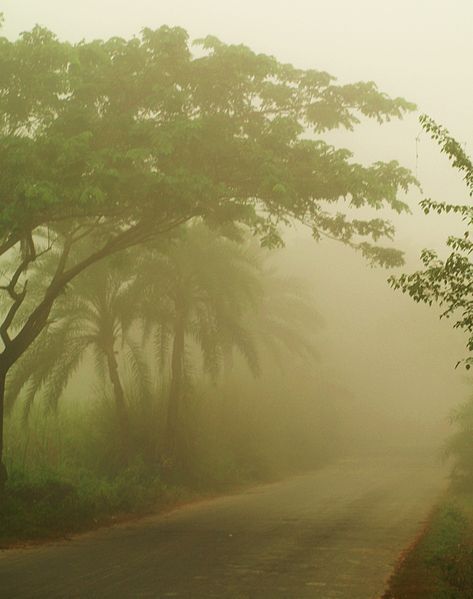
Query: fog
(395, 359)
(222, 337)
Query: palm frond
(138, 368)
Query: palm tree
(199, 290)
(286, 320)
(96, 318)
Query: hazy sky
(419, 49)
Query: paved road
(333, 533)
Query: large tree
(115, 142)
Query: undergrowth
(440, 564)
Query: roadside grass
(440, 563)
(67, 473)
(65, 476)
(45, 505)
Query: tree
(447, 282)
(199, 288)
(94, 318)
(211, 292)
(286, 319)
(116, 142)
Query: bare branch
(141, 232)
(8, 243)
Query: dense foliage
(129, 398)
(146, 134)
(109, 145)
(198, 292)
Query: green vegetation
(447, 282)
(150, 352)
(440, 564)
(45, 505)
(109, 145)
(147, 350)
(65, 476)
(90, 404)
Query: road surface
(334, 533)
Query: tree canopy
(146, 134)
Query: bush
(42, 505)
(459, 447)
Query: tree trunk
(37, 319)
(120, 403)
(176, 389)
(13, 351)
(3, 470)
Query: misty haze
(236, 306)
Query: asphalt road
(336, 532)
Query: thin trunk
(3, 470)
(13, 352)
(120, 402)
(176, 388)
